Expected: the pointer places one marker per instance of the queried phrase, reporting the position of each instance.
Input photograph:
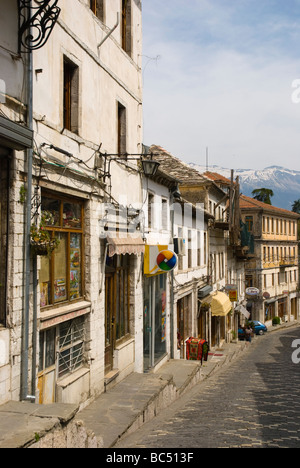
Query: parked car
(259, 327)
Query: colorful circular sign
(166, 260)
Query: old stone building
(61, 333)
(273, 270)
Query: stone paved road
(253, 402)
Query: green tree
(296, 206)
(264, 195)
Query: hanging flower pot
(40, 239)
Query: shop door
(47, 367)
(109, 322)
(183, 329)
(155, 313)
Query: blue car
(259, 328)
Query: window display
(61, 272)
(155, 320)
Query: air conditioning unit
(180, 246)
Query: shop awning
(220, 304)
(125, 245)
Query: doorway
(117, 305)
(183, 323)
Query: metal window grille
(71, 346)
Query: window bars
(71, 346)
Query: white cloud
(227, 96)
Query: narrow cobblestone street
(254, 402)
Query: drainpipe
(26, 311)
(110, 32)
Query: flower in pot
(40, 239)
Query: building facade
(68, 318)
(274, 269)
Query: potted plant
(276, 321)
(40, 239)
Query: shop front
(220, 308)
(158, 261)
(155, 320)
(184, 326)
(121, 270)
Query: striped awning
(125, 245)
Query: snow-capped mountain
(285, 183)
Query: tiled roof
(218, 178)
(176, 168)
(252, 203)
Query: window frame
(126, 26)
(121, 130)
(50, 341)
(68, 231)
(98, 8)
(70, 95)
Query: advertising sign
(252, 292)
(159, 259)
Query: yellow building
(274, 268)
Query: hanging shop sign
(252, 292)
(166, 260)
(233, 295)
(159, 259)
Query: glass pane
(72, 215)
(64, 362)
(45, 285)
(147, 324)
(60, 269)
(41, 354)
(50, 348)
(51, 211)
(65, 334)
(75, 266)
(160, 317)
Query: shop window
(71, 346)
(71, 96)
(63, 347)
(61, 274)
(118, 294)
(155, 320)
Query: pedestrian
(248, 333)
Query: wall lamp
(149, 165)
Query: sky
(223, 75)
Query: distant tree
(264, 195)
(296, 206)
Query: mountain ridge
(284, 182)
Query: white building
(78, 333)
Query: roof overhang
(14, 135)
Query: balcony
(220, 224)
(288, 262)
